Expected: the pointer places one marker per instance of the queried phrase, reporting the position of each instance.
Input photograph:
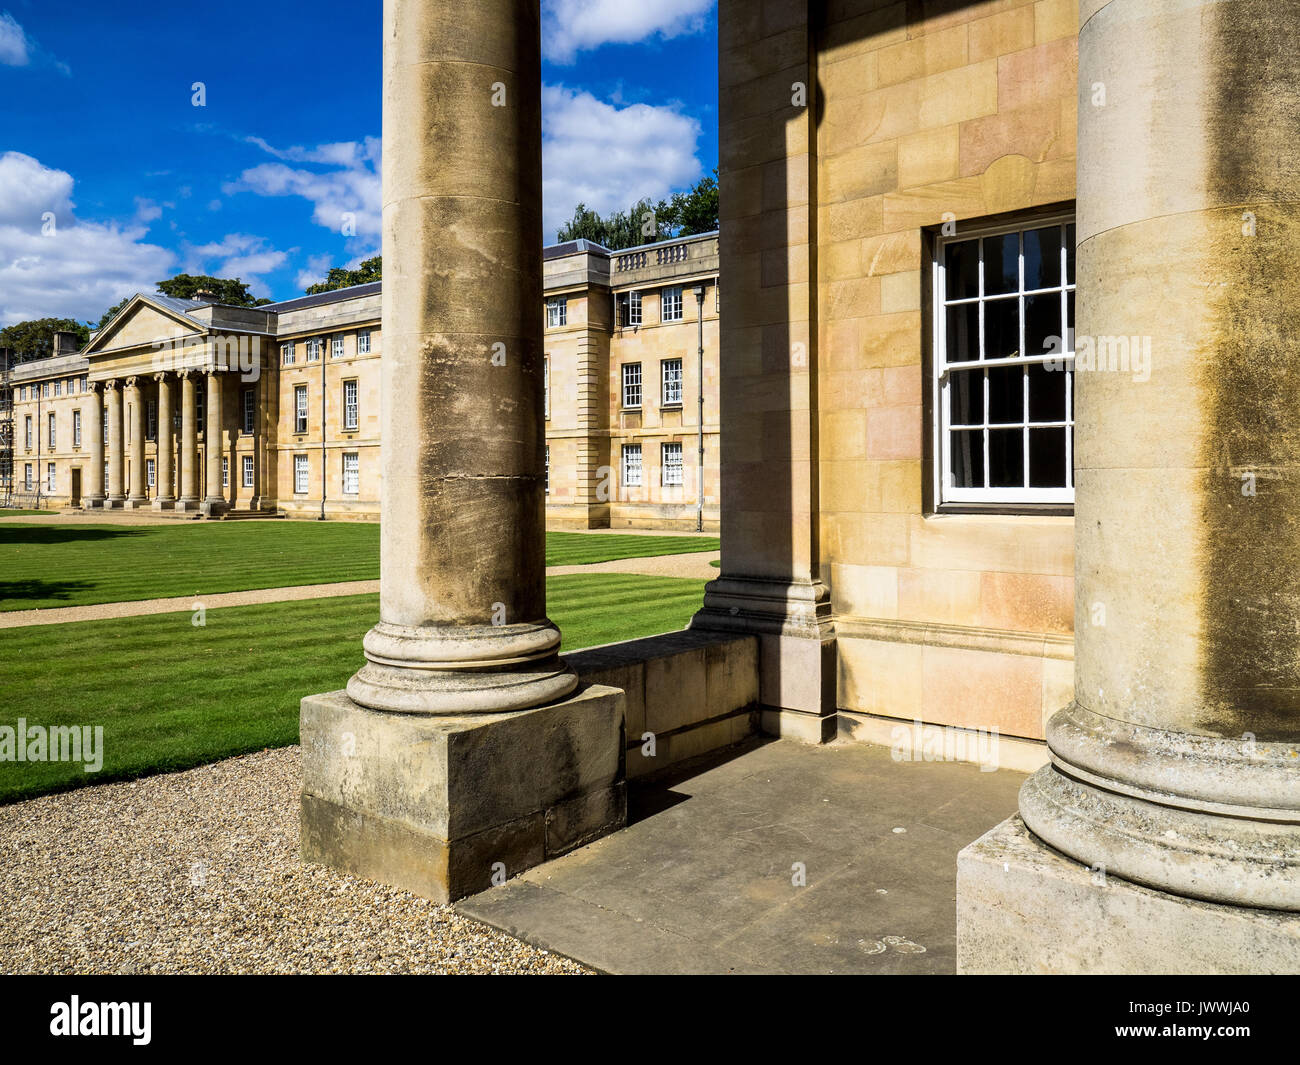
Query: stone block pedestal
(1024, 908)
(442, 805)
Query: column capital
(185, 372)
(160, 376)
(132, 381)
(93, 387)
(110, 385)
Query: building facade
(291, 393)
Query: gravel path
(689, 565)
(198, 872)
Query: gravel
(198, 872)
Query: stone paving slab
(701, 882)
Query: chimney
(66, 343)
(204, 295)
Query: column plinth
(116, 487)
(164, 494)
(93, 428)
(189, 443)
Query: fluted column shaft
(1178, 764)
(213, 443)
(116, 487)
(189, 459)
(463, 624)
(164, 495)
(92, 429)
(135, 408)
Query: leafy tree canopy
(340, 277)
(35, 339)
(230, 291)
(682, 215)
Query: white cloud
(13, 42)
(238, 255)
(572, 26)
(146, 210)
(609, 157)
(70, 268)
(348, 191)
(317, 267)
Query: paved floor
(703, 880)
(695, 564)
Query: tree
(684, 214)
(340, 277)
(35, 339)
(232, 292)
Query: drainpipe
(40, 391)
(699, 384)
(323, 466)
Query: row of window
(351, 407)
(671, 470)
(52, 439)
(351, 473)
(670, 384)
(314, 347)
(629, 307)
(72, 384)
(248, 419)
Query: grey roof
(370, 288)
(570, 247)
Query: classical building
(938, 506)
(292, 392)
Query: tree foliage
(682, 215)
(340, 277)
(35, 339)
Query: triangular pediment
(142, 323)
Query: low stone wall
(687, 693)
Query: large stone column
(139, 496)
(1177, 766)
(164, 495)
(214, 501)
(440, 768)
(92, 428)
(189, 459)
(462, 618)
(116, 489)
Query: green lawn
(22, 513)
(170, 695)
(73, 565)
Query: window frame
(52, 422)
(625, 467)
(363, 341)
(248, 471)
(678, 301)
(626, 385)
(679, 465)
(634, 308)
(336, 346)
(355, 456)
(301, 410)
(557, 312)
(353, 423)
(76, 427)
(947, 497)
(301, 464)
(51, 477)
(664, 399)
(248, 411)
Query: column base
(190, 505)
(114, 503)
(93, 503)
(136, 503)
(213, 508)
(1023, 908)
(797, 655)
(164, 504)
(447, 806)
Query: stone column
(1177, 765)
(214, 502)
(92, 427)
(139, 496)
(481, 756)
(116, 488)
(189, 460)
(462, 618)
(164, 495)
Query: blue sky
(111, 177)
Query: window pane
(968, 459)
(1006, 458)
(1043, 258)
(961, 269)
(963, 332)
(966, 398)
(1047, 457)
(1043, 320)
(1069, 312)
(1046, 394)
(1069, 254)
(1006, 394)
(1001, 328)
(1002, 263)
